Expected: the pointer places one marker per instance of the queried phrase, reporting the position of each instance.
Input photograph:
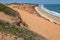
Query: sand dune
(40, 25)
(6, 18)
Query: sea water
(53, 9)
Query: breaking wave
(50, 12)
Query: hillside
(36, 22)
(13, 27)
(27, 23)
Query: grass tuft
(7, 10)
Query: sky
(32, 1)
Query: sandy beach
(43, 27)
(48, 16)
(48, 29)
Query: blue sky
(32, 1)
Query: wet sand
(48, 16)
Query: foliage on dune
(14, 29)
(19, 31)
(7, 10)
(12, 13)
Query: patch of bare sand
(6, 18)
(4, 36)
(43, 27)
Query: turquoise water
(53, 7)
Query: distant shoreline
(49, 11)
(48, 16)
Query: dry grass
(19, 32)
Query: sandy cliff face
(25, 7)
(36, 23)
(17, 29)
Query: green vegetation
(11, 12)
(7, 10)
(15, 29)
(20, 32)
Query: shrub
(20, 32)
(7, 10)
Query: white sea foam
(50, 12)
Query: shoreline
(49, 11)
(48, 16)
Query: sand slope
(40, 25)
(4, 17)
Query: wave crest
(50, 12)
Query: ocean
(53, 9)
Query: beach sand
(48, 29)
(48, 16)
(43, 27)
